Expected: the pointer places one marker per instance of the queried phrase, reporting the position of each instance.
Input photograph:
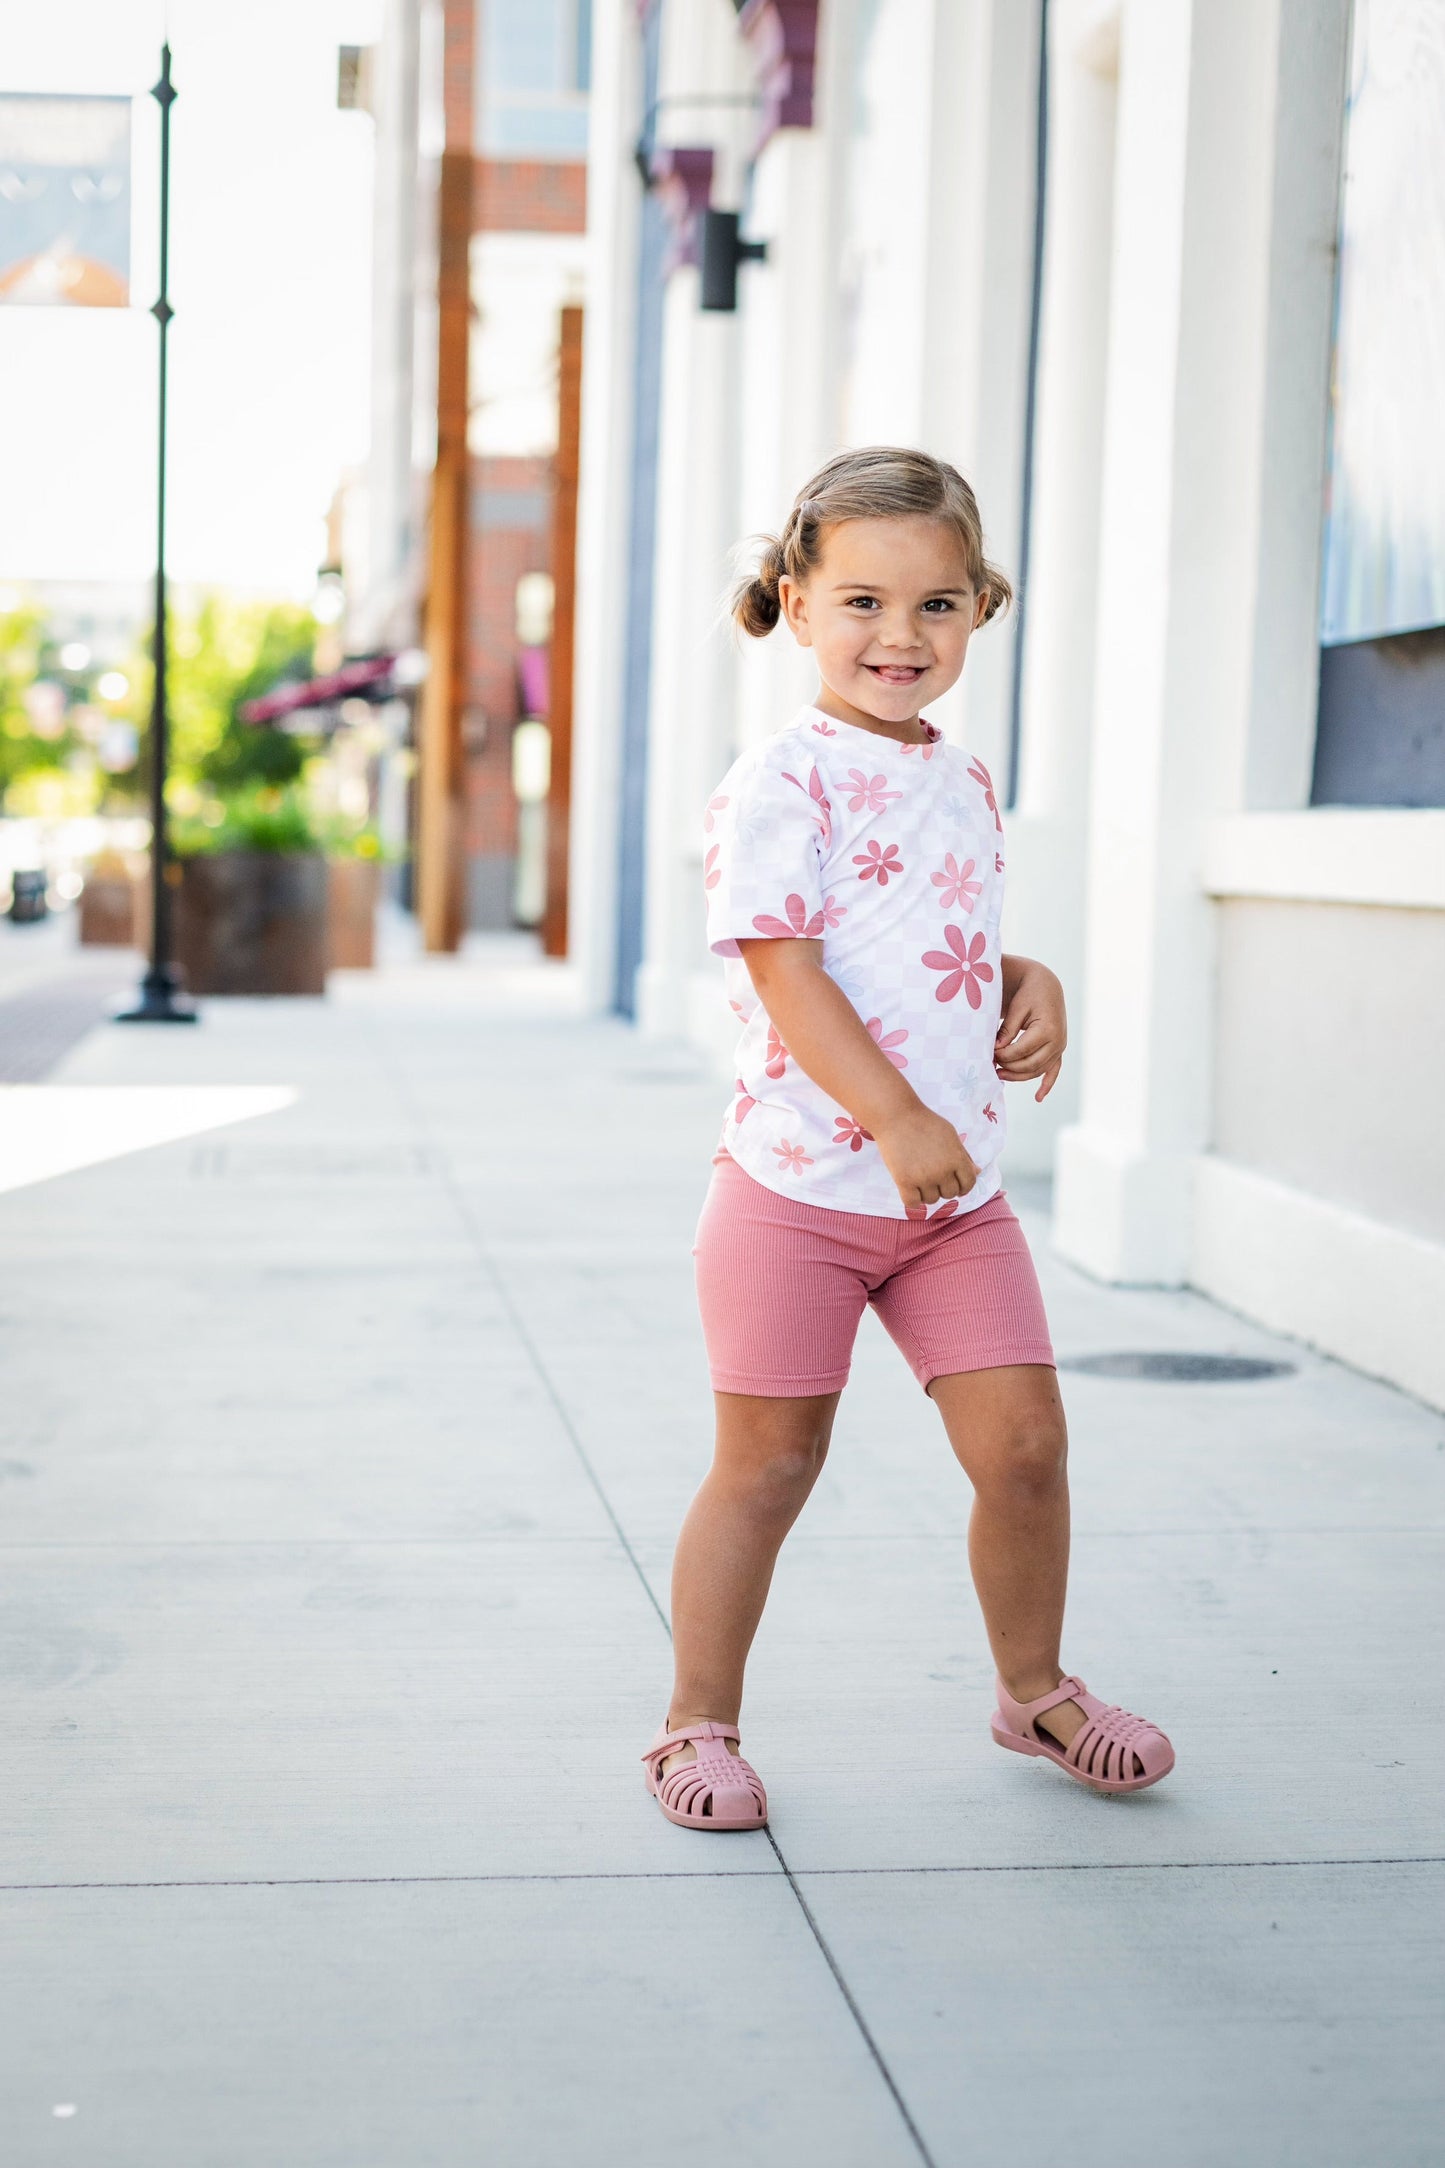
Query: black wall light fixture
(723, 249)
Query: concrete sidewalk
(342, 1454)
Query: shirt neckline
(875, 737)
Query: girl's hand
(826, 1037)
(1034, 1031)
(925, 1156)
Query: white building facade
(1088, 252)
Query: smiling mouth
(896, 673)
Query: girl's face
(887, 611)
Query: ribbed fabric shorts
(782, 1284)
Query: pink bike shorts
(781, 1286)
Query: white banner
(64, 201)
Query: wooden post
(438, 810)
(440, 798)
(564, 615)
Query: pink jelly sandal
(717, 1791)
(1112, 1752)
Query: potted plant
(251, 895)
(115, 901)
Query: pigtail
(754, 602)
(997, 588)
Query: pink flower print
(927, 750)
(714, 805)
(990, 1113)
(963, 963)
(777, 1060)
(869, 794)
(822, 810)
(887, 1042)
(981, 775)
(745, 1103)
(825, 730)
(711, 870)
(799, 926)
(792, 1159)
(737, 1008)
(945, 1211)
(833, 911)
(956, 884)
(879, 859)
(851, 1133)
(997, 863)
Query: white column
(788, 358)
(604, 494)
(1177, 555)
(692, 653)
(679, 990)
(1047, 829)
(982, 195)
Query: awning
(367, 679)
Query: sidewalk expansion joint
(1137, 1866)
(408, 1881)
(792, 1875)
(504, 1293)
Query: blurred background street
(350, 1383)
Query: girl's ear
(980, 610)
(793, 602)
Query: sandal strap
(1067, 1690)
(668, 1742)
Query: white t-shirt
(892, 856)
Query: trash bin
(27, 895)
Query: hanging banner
(64, 201)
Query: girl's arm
(826, 1037)
(1034, 1030)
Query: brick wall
(530, 195)
(511, 535)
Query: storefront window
(535, 74)
(1382, 692)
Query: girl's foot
(1092, 1741)
(701, 1781)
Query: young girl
(854, 877)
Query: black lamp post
(161, 1000)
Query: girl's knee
(775, 1485)
(1029, 1463)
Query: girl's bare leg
(1007, 1428)
(766, 1460)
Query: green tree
(22, 748)
(225, 653)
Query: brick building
(530, 216)
(507, 79)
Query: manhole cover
(1185, 1368)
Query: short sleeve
(765, 830)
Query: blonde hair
(882, 481)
